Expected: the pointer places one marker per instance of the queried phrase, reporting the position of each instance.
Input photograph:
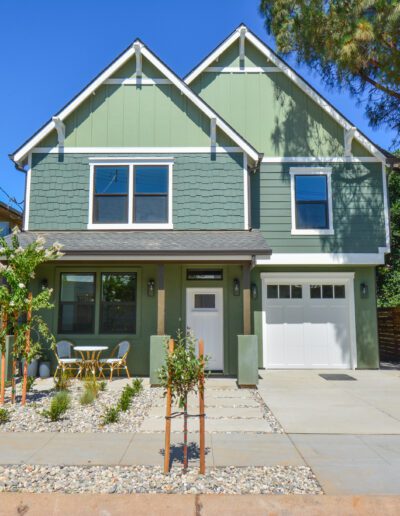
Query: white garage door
(308, 322)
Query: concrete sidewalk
(196, 505)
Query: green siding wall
(207, 191)
(365, 310)
(270, 110)
(358, 215)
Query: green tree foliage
(389, 275)
(351, 43)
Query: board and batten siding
(358, 209)
(207, 191)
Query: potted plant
(45, 364)
(33, 366)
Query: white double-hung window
(311, 200)
(134, 194)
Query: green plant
(137, 385)
(4, 416)
(87, 397)
(62, 382)
(58, 406)
(30, 381)
(111, 415)
(102, 386)
(125, 398)
(91, 384)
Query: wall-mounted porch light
(44, 283)
(236, 287)
(364, 290)
(254, 291)
(151, 287)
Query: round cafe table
(90, 357)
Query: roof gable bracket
(213, 132)
(138, 54)
(60, 128)
(242, 36)
(348, 139)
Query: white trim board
(33, 142)
(246, 69)
(137, 81)
(134, 150)
(322, 258)
(70, 256)
(28, 193)
(323, 159)
(289, 72)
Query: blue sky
(51, 49)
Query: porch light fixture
(236, 287)
(44, 283)
(364, 290)
(151, 287)
(254, 291)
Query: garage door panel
(276, 335)
(294, 338)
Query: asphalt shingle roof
(153, 242)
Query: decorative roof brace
(138, 53)
(348, 139)
(60, 128)
(242, 32)
(213, 132)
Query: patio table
(90, 356)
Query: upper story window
(311, 201)
(131, 195)
(5, 228)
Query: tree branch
(379, 86)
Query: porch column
(160, 301)
(246, 300)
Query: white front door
(204, 317)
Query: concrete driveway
(306, 403)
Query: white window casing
(309, 171)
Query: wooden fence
(389, 333)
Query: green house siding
(358, 209)
(365, 310)
(146, 318)
(207, 191)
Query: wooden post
(27, 349)
(202, 414)
(3, 358)
(246, 300)
(14, 359)
(160, 301)
(185, 437)
(168, 418)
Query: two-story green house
(235, 201)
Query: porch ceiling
(154, 243)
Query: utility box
(9, 346)
(158, 346)
(247, 361)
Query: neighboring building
(9, 218)
(236, 201)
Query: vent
(338, 377)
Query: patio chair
(65, 362)
(117, 360)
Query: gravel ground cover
(268, 415)
(146, 479)
(78, 418)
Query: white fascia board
(386, 207)
(210, 113)
(155, 258)
(133, 150)
(322, 259)
(313, 94)
(246, 69)
(212, 57)
(322, 159)
(30, 144)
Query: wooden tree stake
(27, 349)
(14, 360)
(168, 418)
(202, 414)
(3, 359)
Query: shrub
(58, 406)
(137, 385)
(87, 397)
(4, 416)
(92, 385)
(102, 386)
(125, 398)
(62, 382)
(111, 415)
(29, 384)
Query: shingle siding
(207, 191)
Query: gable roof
(21, 153)
(292, 75)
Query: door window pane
(110, 203)
(204, 300)
(118, 303)
(340, 292)
(151, 194)
(327, 291)
(315, 291)
(272, 291)
(284, 291)
(311, 197)
(77, 299)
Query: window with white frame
(311, 201)
(130, 195)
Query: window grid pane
(110, 203)
(151, 194)
(311, 198)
